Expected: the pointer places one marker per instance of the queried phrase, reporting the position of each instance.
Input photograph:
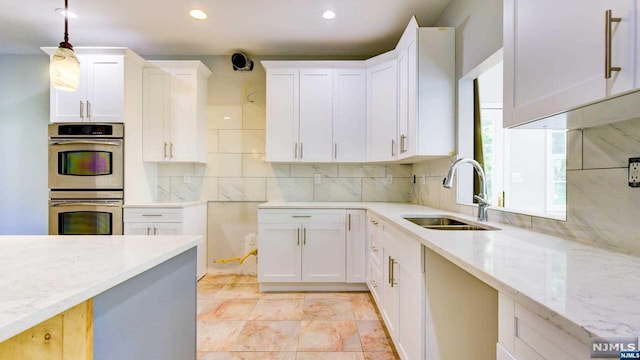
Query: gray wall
(24, 115)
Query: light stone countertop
(43, 276)
(180, 204)
(585, 290)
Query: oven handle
(85, 204)
(85, 142)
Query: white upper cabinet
(426, 92)
(350, 115)
(554, 55)
(283, 89)
(316, 111)
(174, 111)
(382, 111)
(100, 96)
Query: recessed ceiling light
(198, 14)
(227, 117)
(328, 15)
(62, 11)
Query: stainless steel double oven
(86, 168)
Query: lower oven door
(85, 217)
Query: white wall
(24, 116)
(478, 31)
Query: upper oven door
(85, 164)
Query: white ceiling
(261, 27)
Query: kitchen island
(134, 296)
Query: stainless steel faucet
(483, 204)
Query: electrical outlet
(634, 172)
(186, 178)
(316, 178)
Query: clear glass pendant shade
(64, 70)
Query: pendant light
(64, 69)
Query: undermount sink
(442, 222)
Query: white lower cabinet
(400, 292)
(187, 220)
(523, 335)
(310, 246)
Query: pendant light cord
(65, 43)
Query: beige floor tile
(218, 335)
(245, 279)
(268, 336)
(209, 289)
(330, 356)
(373, 336)
(239, 291)
(218, 279)
(232, 309)
(327, 309)
(382, 355)
(283, 295)
(278, 309)
(254, 355)
(328, 295)
(329, 336)
(364, 308)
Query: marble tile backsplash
(601, 208)
(236, 169)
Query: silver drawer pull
(151, 214)
(301, 216)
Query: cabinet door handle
(301, 151)
(171, 150)
(335, 151)
(88, 110)
(304, 236)
(298, 236)
(148, 230)
(151, 214)
(155, 231)
(164, 152)
(81, 110)
(349, 222)
(300, 216)
(403, 142)
(393, 147)
(390, 265)
(392, 273)
(295, 150)
(608, 20)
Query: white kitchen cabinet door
(410, 327)
(356, 247)
(174, 111)
(403, 102)
(391, 294)
(283, 90)
(184, 117)
(349, 115)
(382, 111)
(100, 94)
(554, 60)
(316, 115)
(167, 229)
(138, 228)
(156, 115)
(279, 252)
(323, 252)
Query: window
(525, 168)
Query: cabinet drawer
(375, 284)
(282, 216)
(375, 250)
(408, 250)
(152, 215)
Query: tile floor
(237, 321)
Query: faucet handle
(481, 200)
